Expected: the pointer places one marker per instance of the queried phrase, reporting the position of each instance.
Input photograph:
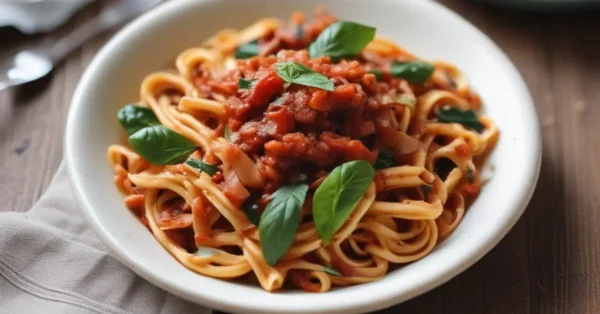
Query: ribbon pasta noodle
(252, 131)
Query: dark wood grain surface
(548, 263)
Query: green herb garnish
(293, 72)
(152, 140)
(378, 74)
(332, 271)
(385, 159)
(247, 50)
(416, 72)
(337, 196)
(280, 220)
(202, 166)
(467, 117)
(160, 145)
(342, 40)
(134, 118)
(246, 84)
(252, 213)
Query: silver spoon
(36, 62)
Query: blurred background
(548, 263)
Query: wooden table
(548, 263)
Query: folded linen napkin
(52, 262)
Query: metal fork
(36, 62)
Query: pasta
(283, 155)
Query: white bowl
(423, 27)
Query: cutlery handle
(114, 15)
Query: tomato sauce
(294, 128)
(296, 124)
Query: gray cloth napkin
(52, 262)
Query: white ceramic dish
(425, 28)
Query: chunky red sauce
(295, 125)
(295, 129)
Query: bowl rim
(391, 297)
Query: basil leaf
(246, 84)
(280, 220)
(252, 213)
(378, 74)
(247, 50)
(227, 133)
(416, 72)
(332, 271)
(202, 166)
(160, 145)
(342, 39)
(385, 159)
(337, 196)
(134, 118)
(467, 117)
(293, 72)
